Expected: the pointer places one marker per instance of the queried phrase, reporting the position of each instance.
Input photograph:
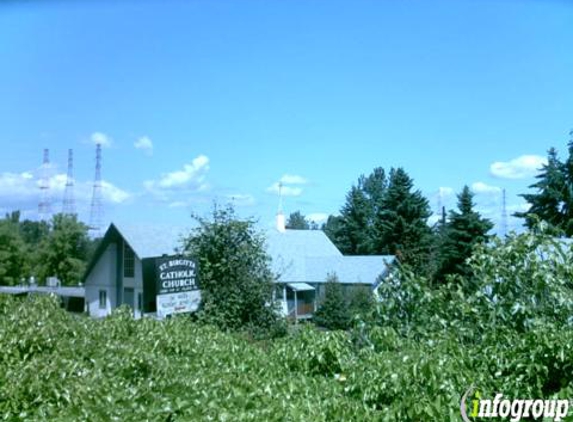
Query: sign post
(177, 289)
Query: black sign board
(175, 274)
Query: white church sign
(177, 289)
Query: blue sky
(225, 98)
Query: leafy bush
(61, 367)
(425, 347)
(234, 273)
(360, 302)
(312, 352)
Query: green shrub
(333, 313)
(234, 274)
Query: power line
(503, 215)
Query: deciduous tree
(12, 253)
(64, 252)
(234, 273)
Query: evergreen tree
(401, 223)
(354, 233)
(374, 186)
(463, 230)
(332, 228)
(333, 313)
(548, 203)
(567, 199)
(297, 221)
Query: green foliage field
(507, 330)
(60, 367)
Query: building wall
(102, 277)
(135, 283)
(108, 277)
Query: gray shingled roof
(309, 256)
(298, 256)
(149, 241)
(349, 269)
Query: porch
(300, 300)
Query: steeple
(280, 216)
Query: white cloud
(518, 168)
(18, 188)
(284, 182)
(191, 178)
(433, 219)
(113, 194)
(102, 139)
(177, 204)
(481, 187)
(285, 190)
(242, 200)
(144, 143)
(317, 217)
(292, 179)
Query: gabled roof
(146, 241)
(297, 255)
(151, 241)
(289, 250)
(309, 256)
(300, 242)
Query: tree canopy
(383, 215)
(463, 230)
(234, 273)
(552, 200)
(39, 249)
(64, 252)
(297, 221)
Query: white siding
(102, 277)
(136, 283)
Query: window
(128, 261)
(102, 299)
(139, 301)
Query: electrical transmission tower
(503, 215)
(69, 204)
(440, 208)
(96, 212)
(44, 206)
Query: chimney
(281, 222)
